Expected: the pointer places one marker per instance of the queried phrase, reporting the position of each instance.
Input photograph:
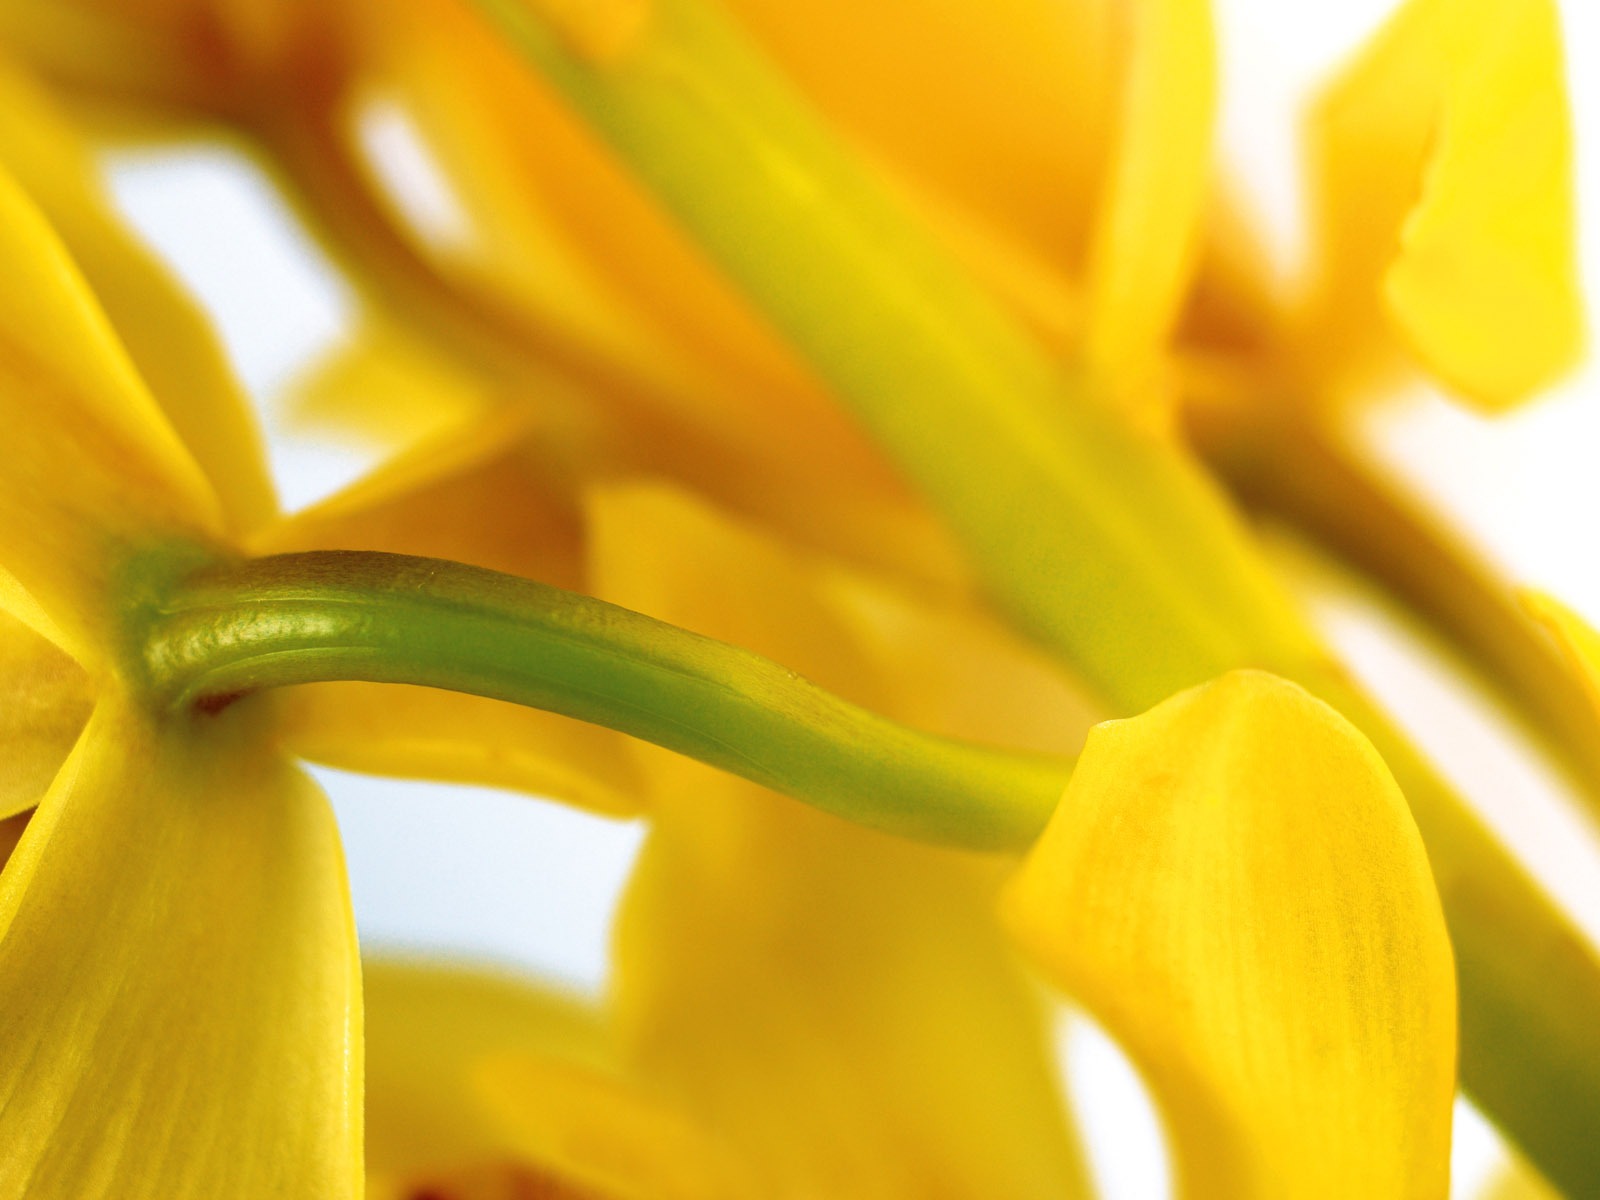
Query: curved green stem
(349, 615)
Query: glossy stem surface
(357, 615)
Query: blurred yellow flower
(873, 340)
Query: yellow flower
(1283, 1059)
(177, 957)
(1233, 884)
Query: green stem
(965, 403)
(349, 615)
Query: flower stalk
(231, 630)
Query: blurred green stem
(343, 615)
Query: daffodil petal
(423, 733)
(92, 471)
(915, 83)
(1233, 884)
(164, 330)
(1443, 163)
(428, 1029)
(771, 959)
(1155, 192)
(606, 1133)
(388, 389)
(44, 700)
(178, 975)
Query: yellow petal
(916, 82)
(1234, 886)
(166, 334)
(92, 470)
(1154, 195)
(1443, 162)
(428, 1029)
(423, 733)
(44, 700)
(606, 1134)
(178, 975)
(478, 1084)
(386, 388)
(837, 1002)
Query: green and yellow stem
(1108, 544)
(355, 615)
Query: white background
(531, 886)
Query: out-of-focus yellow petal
(1154, 194)
(475, 495)
(955, 669)
(428, 1029)
(44, 700)
(423, 733)
(1234, 886)
(1443, 176)
(607, 1134)
(837, 1002)
(479, 1085)
(166, 334)
(178, 975)
(1579, 642)
(1004, 110)
(385, 388)
(92, 471)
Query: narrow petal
(837, 1002)
(178, 975)
(92, 471)
(44, 700)
(1234, 886)
(166, 334)
(1443, 174)
(1154, 196)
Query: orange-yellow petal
(1443, 175)
(1233, 884)
(178, 975)
(92, 471)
